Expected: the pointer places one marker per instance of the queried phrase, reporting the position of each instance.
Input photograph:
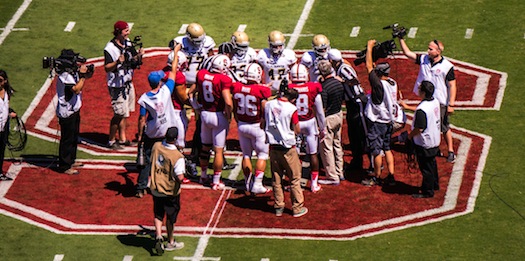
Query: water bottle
(141, 156)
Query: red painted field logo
(100, 199)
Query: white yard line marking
(265, 259)
(127, 258)
(300, 24)
(182, 29)
(355, 31)
(131, 25)
(412, 32)
(69, 26)
(16, 29)
(241, 27)
(14, 19)
(234, 173)
(58, 257)
(469, 33)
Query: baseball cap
(120, 25)
(383, 68)
(171, 134)
(155, 77)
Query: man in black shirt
(331, 146)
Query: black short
(169, 206)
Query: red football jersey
(306, 101)
(180, 79)
(210, 87)
(247, 101)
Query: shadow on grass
(141, 239)
(127, 189)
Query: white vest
(122, 75)
(431, 136)
(278, 116)
(437, 75)
(161, 112)
(66, 108)
(4, 110)
(383, 112)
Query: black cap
(171, 134)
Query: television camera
(68, 61)
(134, 63)
(383, 49)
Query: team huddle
(283, 107)
(236, 83)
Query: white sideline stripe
(127, 258)
(412, 32)
(300, 24)
(241, 27)
(130, 25)
(460, 161)
(58, 257)
(468, 33)
(355, 31)
(182, 29)
(481, 89)
(69, 26)
(502, 84)
(11, 24)
(265, 259)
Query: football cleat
(260, 189)
(218, 186)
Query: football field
(478, 216)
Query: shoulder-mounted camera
(67, 61)
(134, 62)
(383, 49)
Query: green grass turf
(495, 231)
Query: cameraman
(380, 114)
(120, 59)
(69, 87)
(439, 71)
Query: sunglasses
(437, 43)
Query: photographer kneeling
(72, 73)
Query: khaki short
(122, 100)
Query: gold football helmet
(276, 41)
(241, 42)
(196, 33)
(320, 44)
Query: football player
(321, 47)
(196, 45)
(242, 54)
(311, 117)
(247, 100)
(215, 103)
(276, 60)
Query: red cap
(120, 25)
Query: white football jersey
(275, 67)
(195, 55)
(239, 62)
(311, 60)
